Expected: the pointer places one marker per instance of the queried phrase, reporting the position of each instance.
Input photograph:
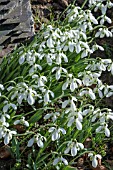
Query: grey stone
(16, 22)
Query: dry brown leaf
(5, 152)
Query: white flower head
(94, 159)
(56, 132)
(21, 121)
(60, 159)
(74, 147)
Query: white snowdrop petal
(72, 86)
(55, 135)
(67, 150)
(13, 106)
(20, 98)
(30, 99)
(10, 88)
(26, 123)
(22, 59)
(55, 162)
(47, 116)
(99, 129)
(58, 74)
(94, 162)
(5, 108)
(30, 142)
(65, 85)
(40, 143)
(46, 97)
(107, 132)
(73, 106)
(99, 156)
(51, 129)
(64, 161)
(81, 145)
(78, 124)
(6, 139)
(92, 95)
(70, 122)
(73, 151)
(2, 87)
(16, 122)
(109, 94)
(62, 130)
(65, 103)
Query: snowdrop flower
(38, 138)
(96, 114)
(34, 68)
(47, 94)
(110, 68)
(102, 32)
(1, 87)
(74, 147)
(94, 159)
(22, 58)
(40, 80)
(88, 92)
(105, 18)
(50, 42)
(96, 47)
(8, 105)
(30, 98)
(65, 103)
(78, 124)
(56, 132)
(59, 57)
(72, 104)
(6, 134)
(30, 57)
(21, 121)
(22, 91)
(74, 83)
(54, 116)
(60, 159)
(58, 71)
(3, 122)
(105, 128)
(77, 118)
(92, 18)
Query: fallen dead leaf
(99, 168)
(5, 152)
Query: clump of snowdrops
(53, 89)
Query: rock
(16, 22)
(41, 1)
(63, 3)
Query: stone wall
(16, 23)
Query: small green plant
(51, 93)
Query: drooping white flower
(74, 147)
(22, 121)
(38, 138)
(22, 58)
(60, 159)
(30, 99)
(78, 124)
(7, 135)
(30, 142)
(56, 132)
(47, 94)
(54, 116)
(94, 159)
(8, 105)
(107, 131)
